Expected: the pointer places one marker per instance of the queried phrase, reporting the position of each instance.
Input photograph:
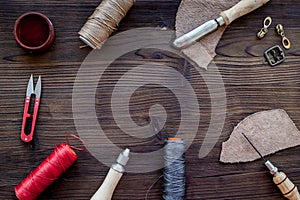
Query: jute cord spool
(104, 21)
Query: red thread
(46, 173)
(78, 138)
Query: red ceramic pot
(34, 32)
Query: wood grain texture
(251, 86)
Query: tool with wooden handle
(287, 188)
(113, 177)
(226, 17)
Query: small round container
(34, 32)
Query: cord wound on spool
(46, 173)
(174, 178)
(105, 19)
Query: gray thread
(174, 178)
(153, 184)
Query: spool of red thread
(46, 173)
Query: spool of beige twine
(104, 21)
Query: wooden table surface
(250, 84)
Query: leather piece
(269, 131)
(193, 13)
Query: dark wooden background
(251, 86)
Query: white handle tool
(113, 177)
(242, 8)
(226, 17)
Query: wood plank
(250, 84)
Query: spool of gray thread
(174, 178)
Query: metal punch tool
(31, 107)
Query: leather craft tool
(31, 107)
(113, 177)
(226, 17)
(287, 188)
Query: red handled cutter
(32, 102)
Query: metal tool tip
(271, 167)
(254, 147)
(123, 157)
(177, 44)
(126, 152)
(38, 87)
(30, 87)
(183, 42)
